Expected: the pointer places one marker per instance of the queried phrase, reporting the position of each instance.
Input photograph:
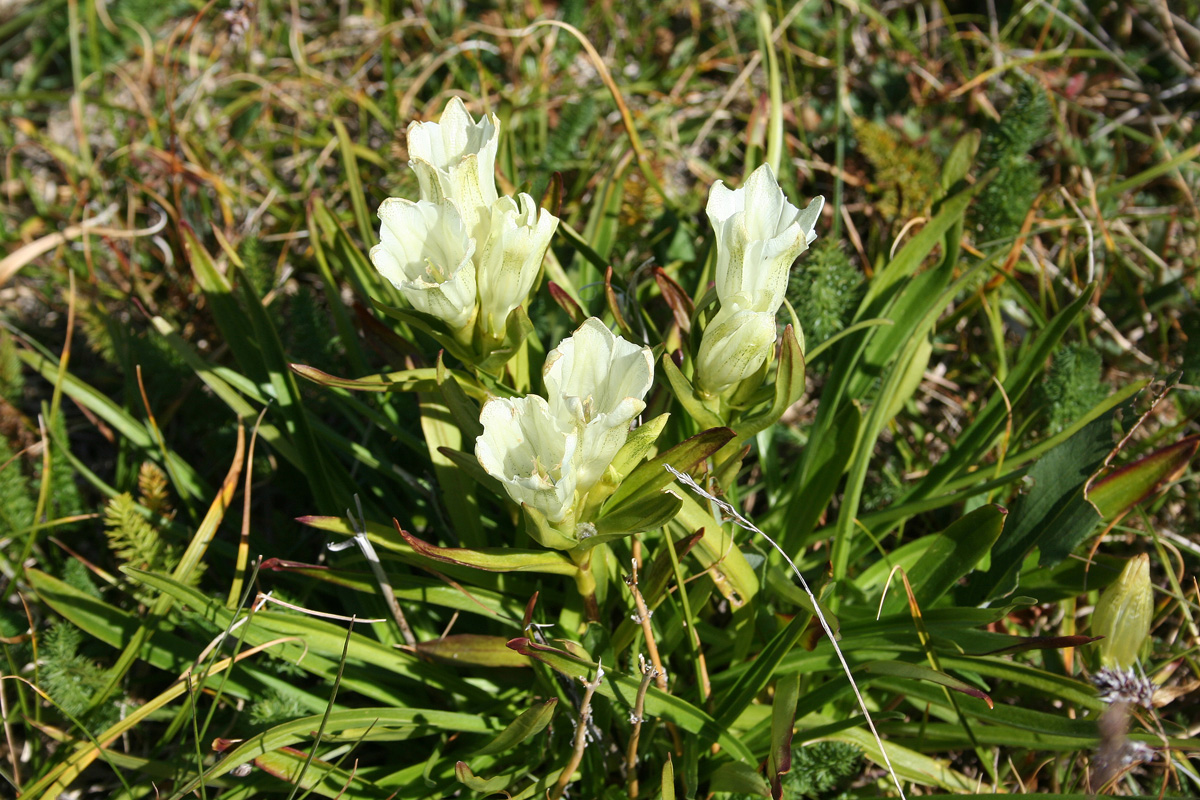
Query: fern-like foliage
(819, 771)
(17, 493)
(135, 542)
(1072, 386)
(824, 290)
(823, 769)
(131, 537)
(71, 679)
(277, 707)
(1001, 206)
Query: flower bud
(1124, 613)
(596, 382)
(518, 235)
(455, 159)
(425, 252)
(524, 448)
(758, 235)
(734, 345)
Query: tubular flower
(426, 253)
(735, 344)
(759, 234)
(597, 383)
(455, 159)
(524, 448)
(519, 234)
(1124, 613)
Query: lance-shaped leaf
(783, 720)
(423, 379)
(676, 298)
(918, 672)
(473, 650)
(648, 513)
(484, 786)
(530, 723)
(951, 554)
(738, 778)
(566, 303)
(1116, 493)
(495, 559)
(650, 477)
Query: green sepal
(651, 476)
(638, 445)
(546, 533)
(516, 330)
(789, 387)
(687, 395)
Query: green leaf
(476, 784)
(734, 700)
(951, 554)
(974, 441)
(1053, 515)
(919, 672)
(738, 778)
(783, 720)
(668, 779)
(633, 517)
(652, 476)
(473, 650)
(495, 559)
(530, 723)
(1119, 491)
(423, 379)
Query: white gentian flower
(597, 382)
(524, 448)
(759, 235)
(511, 258)
(426, 253)
(455, 159)
(736, 343)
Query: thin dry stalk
(581, 728)
(649, 673)
(642, 617)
